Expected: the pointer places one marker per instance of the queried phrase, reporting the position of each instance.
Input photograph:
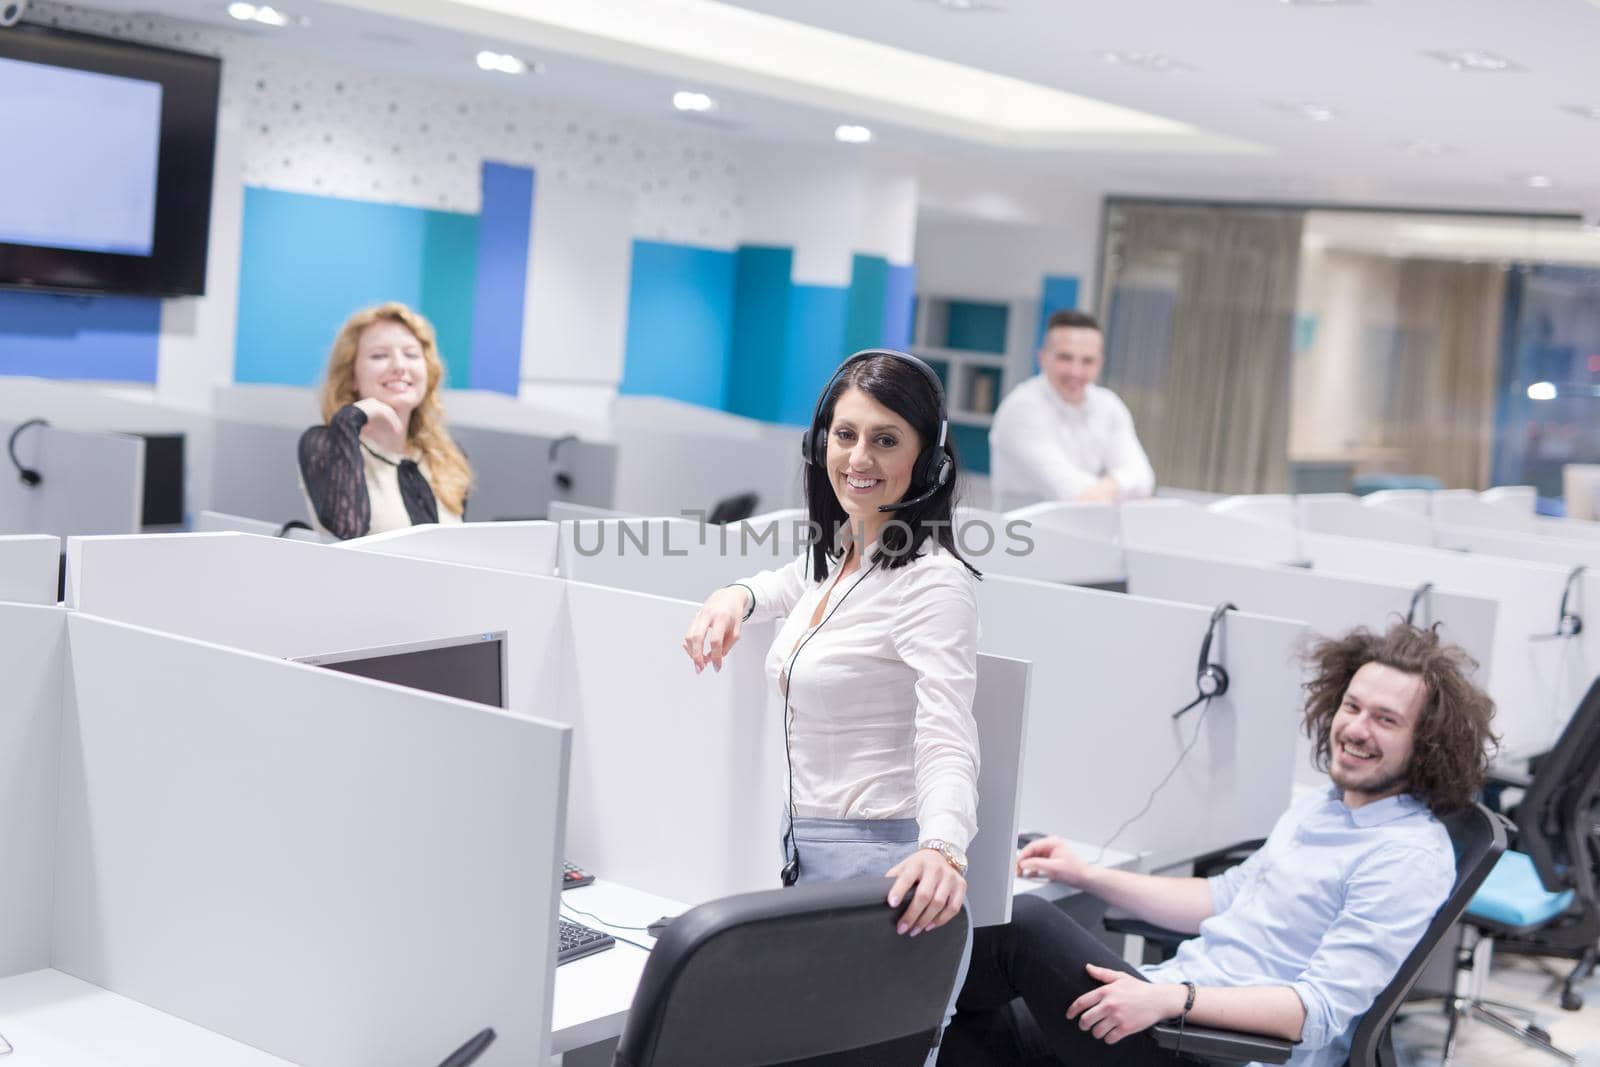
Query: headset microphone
(1210, 679)
(1568, 623)
(901, 505)
(30, 477)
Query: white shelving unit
(975, 379)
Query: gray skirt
(832, 850)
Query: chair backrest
(1479, 837)
(734, 509)
(1553, 817)
(790, 975)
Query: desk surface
(52, 1019)
(593, 994)
(1043, 887)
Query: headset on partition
(1210, 679)
(933, 467)
(1423, 590)
(30, 477)
(1568, 623)
(558, 470)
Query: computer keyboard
(579, 940)
(572, 876)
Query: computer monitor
(468, 668)
(163, 479)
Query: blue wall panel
(760, 337)
(869, 287)
(1059, 293)
(899, 306)
(815, 348)
(105, 338)
(502, 277)
(680, 323)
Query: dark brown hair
(1072, 320)
(1453, 742)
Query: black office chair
(733, 509)
(1558, 913)
(1479, 838)
(810, 975)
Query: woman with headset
(383, 459)
(876, 658)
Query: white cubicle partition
(1108, 673)
(1097, 522)
(1000, 706)
(255, 470)
(236, 849)
(35, 640)
(281, 405)
(523, 547)
(286, 598)
(1275, 509)
(1345, 515)
(1463, 507)
(516, 475)
(670, 471)
(1416, 501)
(1512, 544)
(675, 557)
(998, 543)
(565, 511)
(30, 568)
(1536, 684)
(1521, 499)
(1184, 527)
(90, 483)
(219, 522)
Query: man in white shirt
(1059, 436)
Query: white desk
(593, 994)
(54, 1020)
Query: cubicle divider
(1345, 515)
(517, 475)
(30, 568)
(1109, 671)
(237, 848)
(1096, 522)
(668, 471)
(675, 557)
(286, 598)
(88, 483)
(998, 543)
(219, 522)
(522, 547)
(1536, 678)
(1275, 509)
(566, 511)
(1181, 526)
(35, 640)
(1512, 544)
(1000, 707)
(255, 470)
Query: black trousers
(1038, 958)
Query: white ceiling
(1248, 59)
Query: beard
(1393, 782)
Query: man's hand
(1126, 1004)
(1052, 858)
(1103, 491)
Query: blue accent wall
(815, 347)
(502, 277)
(102, 338)
(1059, 293)
(760, 331)
(680, 323)
(899, 306)
(869, 287)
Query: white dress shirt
(1043, 448)
(880, 696)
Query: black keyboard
(578, 940)
(572, 876)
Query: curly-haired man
(1297, 941)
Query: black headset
(30, 477)
(1210, 679)
(1568, 623)
(1417, 594)
(559, 471)
(934, 465)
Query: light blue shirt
(1329, 907)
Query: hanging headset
(1417, 594)
(558, 470)
(933, 467)
(1210, 679)
(1568, 623)
(30, 477)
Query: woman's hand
(716, 626)
(384, 421)
(940, 891)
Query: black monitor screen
(468, 668)
(163, 479)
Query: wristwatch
(952, 855)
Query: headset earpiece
(933, 467)
(29, 477)
(1210, 679)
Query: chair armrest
(1222, 1046)
(1120, 922)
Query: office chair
(1479, 838)
(813, 974)
(733, 509)
(1541, 900)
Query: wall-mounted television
(106, 184)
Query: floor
(1531, 983)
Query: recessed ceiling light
(1474, 59)
(1538, 181)
(1306, 109)
(1583, 111)
(1154, 62)
(502, 63)
(684, 100)
(262, 13)
(1542, 391)
(852, 134)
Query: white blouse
(1043, 448)
(880, 697)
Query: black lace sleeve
(334, 476)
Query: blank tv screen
(82, 155)
(468, 669)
